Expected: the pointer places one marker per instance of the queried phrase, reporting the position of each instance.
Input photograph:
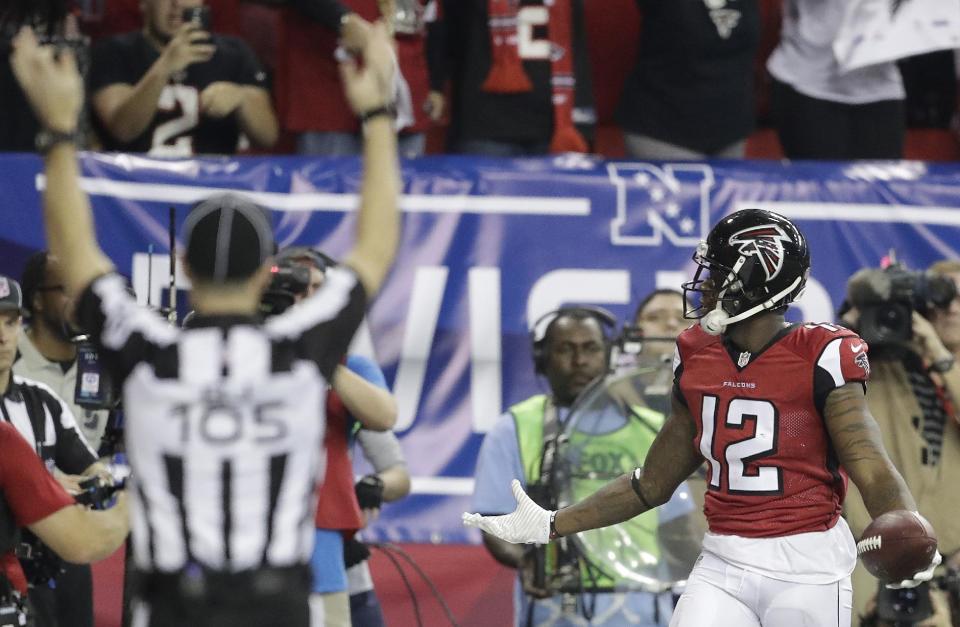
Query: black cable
(406, 582)
(433, 588)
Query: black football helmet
(752, 261)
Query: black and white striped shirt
(224, 423)
(47, 424)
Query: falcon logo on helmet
(764, 242)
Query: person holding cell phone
(176, 89)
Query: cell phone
(200, 16)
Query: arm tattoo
(859, 445)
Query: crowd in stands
(648, 79)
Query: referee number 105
(222, 423)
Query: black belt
(195, 582)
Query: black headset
(541, 329)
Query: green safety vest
(610, 454)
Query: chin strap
(716, 321)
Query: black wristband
(369, 491)
(554, 534)
(388, 110)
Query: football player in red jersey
(778, 413)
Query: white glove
(528, 524)
(919, 578)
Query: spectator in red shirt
(310, 100)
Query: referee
(224, 419)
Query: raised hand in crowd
(354, 31)
(190, 45)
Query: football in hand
(897, 545)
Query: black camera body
(886, 299)
(40, 564)
(289, 281)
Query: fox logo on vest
(764, 242)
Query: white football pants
(719, 594)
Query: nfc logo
(653, 202)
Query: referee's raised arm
(55, 91)
(370, 92)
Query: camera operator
(359, 399)
(47, 422)
(571, 349)
(175, 89)
(907, 318)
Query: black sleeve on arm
(327, 12)
(106, 66)
(248, 70)
(73, 456)
(823, 384)
(677, 392)
(72, 453)
(437, 57)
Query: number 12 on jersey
(755, 479)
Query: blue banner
(490, 245)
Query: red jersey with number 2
(771, 469)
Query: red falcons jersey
(771, 468)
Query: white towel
(881, 31)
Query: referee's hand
(371, 86)
(50, 80)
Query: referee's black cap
(228, 238)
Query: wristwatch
(388, 110)
(943, 365)
(46, 139)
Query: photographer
(359, 400)
(907, 318)
(175, 89)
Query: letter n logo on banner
(671, 201)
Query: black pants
(70, 604)
(810, 128)
(226, 601)
(365, 610)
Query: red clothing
(771, 468)
(308, 91)
(337, 506)
(30, 492)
